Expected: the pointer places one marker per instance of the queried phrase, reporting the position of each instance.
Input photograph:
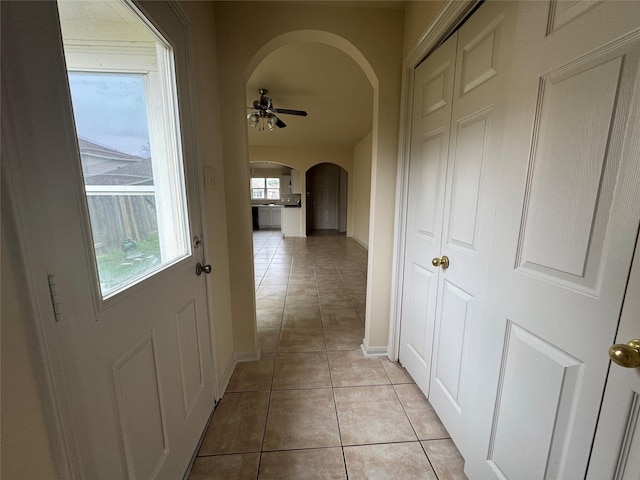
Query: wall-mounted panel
(628, 466)
(140, 410)
(563, 12)
(421, 286)
(426, 168)
(451, 333)
(479, 57)
(572, 173)
(190, 354)
(471, 140)
(436, 89)
(538, 384)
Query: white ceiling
(326, 83)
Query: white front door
(617, 444)
(566, 223)
(128, 337)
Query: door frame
(54, 390)
(448, 19)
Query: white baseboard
(226, 376)
(360, 243)
(373, 352)
(233, 361)
(247, 356)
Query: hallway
(313, 406)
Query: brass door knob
(626, 355)
(441, 262)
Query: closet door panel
(483, 57)
(433, 92)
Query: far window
(268, 188)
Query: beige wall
(362, 189)
(208, 127)
(418, 15)
(373, 38)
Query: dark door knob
(202, 269)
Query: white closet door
(433, 92)
(477, 122)
(566, 223)
(617, 442)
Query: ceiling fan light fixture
(265, 112)
(253, 119)
(272, 122)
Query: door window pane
(122, 83)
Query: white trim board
(236, 358)
(373, 352)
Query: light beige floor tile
(420, 412)
(331, 287)
(270, 300)
(272, 303)
(268, 318)
(343, 338)
(253, 376)
(302, 317)
(268, 339)
(396, 372)
(371, 415)
(302, 280)
(267, 281)
(272, 290)
(276, 269)
(321, 463)
(359, 300)
(242, 466)
(237, 425)
(446, 459)
(301, 419)
(301, 340)
(341, 317)
(352, 368)
(294, 302)
(295, 291)
(404, 461)
(336, 301)
(301, 370)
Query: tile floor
(313, 406)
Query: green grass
(115, 269)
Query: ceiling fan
(264, 109)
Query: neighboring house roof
(103, 165)
(95, 149)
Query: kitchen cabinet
(276, 216)
(291, 222)
(285, 184)
(269, 216)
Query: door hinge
(55, 301)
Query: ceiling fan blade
(286, 111)
(280, 123)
